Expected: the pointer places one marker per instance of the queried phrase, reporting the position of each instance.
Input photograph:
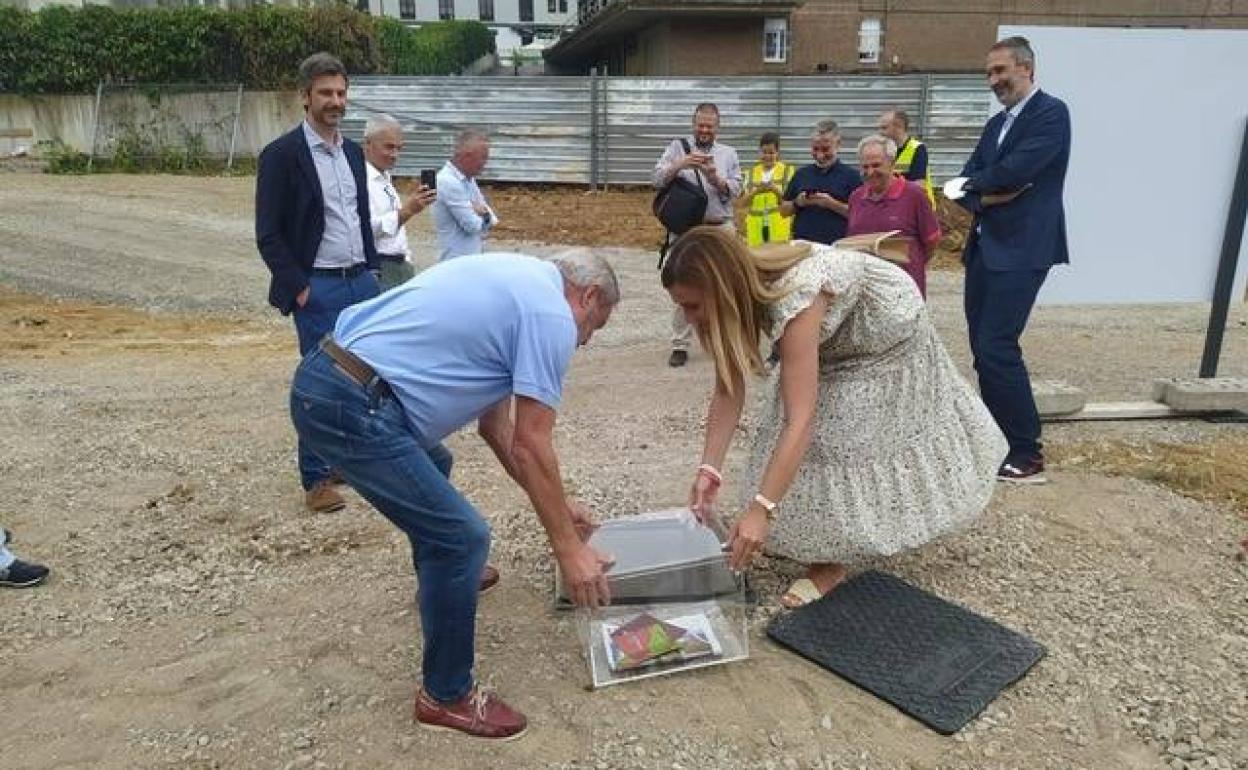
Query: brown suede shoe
(480, 713)
(323, 498)
(489, 578)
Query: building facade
(734, 37)
(518, 25)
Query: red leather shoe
(480, 713)
(489, 578)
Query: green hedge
(69, 50)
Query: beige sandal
(804, 591)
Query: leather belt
(393, 257)
(340, 272)
(352, 365)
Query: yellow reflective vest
(905, 156)
(764, 223)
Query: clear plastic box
(670, 575)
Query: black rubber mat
(940, 663)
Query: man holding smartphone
(818, 196)
(716, 167)
(383, 141)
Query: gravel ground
(197, 617)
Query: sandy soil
(198, 617)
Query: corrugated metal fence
(600, 131)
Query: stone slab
(1055, 398)
(1211, 394)
(1120, 410)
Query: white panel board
(1158, 119)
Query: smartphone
(429, 178)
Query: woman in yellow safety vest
(763, 222)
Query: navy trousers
(998, 304)
(329, 296)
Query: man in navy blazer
(1014, 189)
(313, 231)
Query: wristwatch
(766, 505)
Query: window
(563, 6)
(775, 40)
(552, 5)
(407, 9)
(869, 34)
(361, 6)
(446, 9)
(485, 10)
(526, 10)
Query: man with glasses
(485, 338)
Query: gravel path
(197, 617)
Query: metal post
(593, 128)
(95, 124)
(606, 130)
(780, 106)
(925, 97)
(1231, 239)
(238, 112)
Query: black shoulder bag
(680, 205)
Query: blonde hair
(735, 285)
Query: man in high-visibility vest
(764, 222)
(911, 159)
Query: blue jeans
(365, 435)
(328, 297)
(998, 304)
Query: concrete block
(1212, 394)
(1054, 397)
(1160, 386)
(1117, 410)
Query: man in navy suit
(1014, 189)
(313, 232)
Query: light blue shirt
(464, 335)
(1012, 114)
(342, 245)
(460, 230)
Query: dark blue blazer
(290, 213)
(1028, 233)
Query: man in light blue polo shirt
(461, 216)
(468, 339)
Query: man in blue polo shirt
(818, 195)
(468, 339)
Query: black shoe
(22, 574)
(6, 537)
(1022, 472)
(678, 358)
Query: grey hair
(583, 268)
(379, 123)
(1020, 48)
(888, 146)
(900, 116)
(470, 136)
(318, 65)
(826, 128)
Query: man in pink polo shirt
(887, 202)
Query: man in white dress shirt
(461, 216)
(383, 141)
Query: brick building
(737, 37)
